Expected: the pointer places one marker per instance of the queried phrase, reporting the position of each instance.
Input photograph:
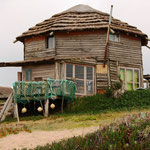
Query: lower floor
(90, 78)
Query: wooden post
(46, 113)
(62, 105)
(19, 76)
(108, 74)
(16, 114)
(107, 38)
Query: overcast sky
(16, 16)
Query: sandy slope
(31, 140)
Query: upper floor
(122, 47)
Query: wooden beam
(6, 107)
(46, 114)
(16, 113)
(107, 38)
(19, 74)
(62, 105)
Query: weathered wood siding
(80, 44)
(101, 77)
(113, 67)
(36, 47)
(101, 81)
(45, 71)
(126, 53)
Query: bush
(109, 92)
(100, 103)
(117, 86)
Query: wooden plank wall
(126, 53)
(84, 43)
(81, 44)
(101, 79)
(36, 47)
(44, 71)
(113, 67)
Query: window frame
(133, 78)
(46, 43)
(84, 79)
(27, 72)
(115, 39)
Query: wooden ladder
(4, 112)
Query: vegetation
(87, 111)
(2, 101)
(133, 132)
(130, 100)
(11, 129)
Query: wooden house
(71, 45)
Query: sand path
(32, 140)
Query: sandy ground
(32, 140)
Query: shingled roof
(80, 17)
(5, 92)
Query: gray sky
(16, 16)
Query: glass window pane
(89, 87)
(111, 37)
(79, 72)
(89, 73)
(136, 86)
(114, 37)
(69, 70)
(117, 37)
(50, 42)
(129, 75)
(122, 74)
(129, 86)
(28, 74)
(80, 86)
(136, 75)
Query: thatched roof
(78, 18)
(5, 92)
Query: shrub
(100, 103)
(116, 86)
(108, 92)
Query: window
(114, 37)
(89, 80)
(130, 77)
(83, 76)
(28, 74)
(69, 70)
(50, 42)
